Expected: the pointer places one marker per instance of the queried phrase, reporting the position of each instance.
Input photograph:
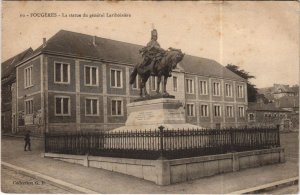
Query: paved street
(13, 182)
(291, 145)
(101, 180)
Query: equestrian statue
(156, 62)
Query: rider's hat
(154, 32)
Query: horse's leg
(165, 86)
(145, 79)
(141, 87)
(158, 83)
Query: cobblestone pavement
(13, 182)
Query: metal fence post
(161, 136)
(45, 146)
(232, 146)
(88, 143)
(278, 135)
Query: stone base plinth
(165, 172)
(150, 114)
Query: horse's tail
(133, 76)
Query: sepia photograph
(150, 97)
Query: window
(217, 110)
(267, 115)
(116, 78)
(240, 91)
(29, 106)
(91, 107)
(91, 75)
(283, 115)
(28, 77)
(174, 83)
(204, 110)
(62, 105)
(280, 115)
(241, 111)
(136, 84)
(216, 89)
(153, 81)
(251, 117)
(203, 87)
(189, 86)
(62, 73)
(229, 111)
(190, 109)
(116, 107)
(228, 90)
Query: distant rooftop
(8, 70)
(253, 106)
(288, 102)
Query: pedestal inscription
(146, 115)
(150, 114)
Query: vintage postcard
(198, 97)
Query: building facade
(8, 91)
(79, 82)
(291, 104)
(263, 115)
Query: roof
(288, 102)
(8, 67)
(81, 45)
(254, 106)
(204, 66)
(281, 88)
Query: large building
(77, 82)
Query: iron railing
(162, 143)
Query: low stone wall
(165, 172)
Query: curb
(269, 186)
(56, 182)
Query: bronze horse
(161, 68)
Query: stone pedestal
(150, 114)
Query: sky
(260, 37)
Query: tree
(251, 89)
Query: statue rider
(152, 52)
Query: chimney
(94, 40)
(44, 42)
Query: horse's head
(176, 56)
